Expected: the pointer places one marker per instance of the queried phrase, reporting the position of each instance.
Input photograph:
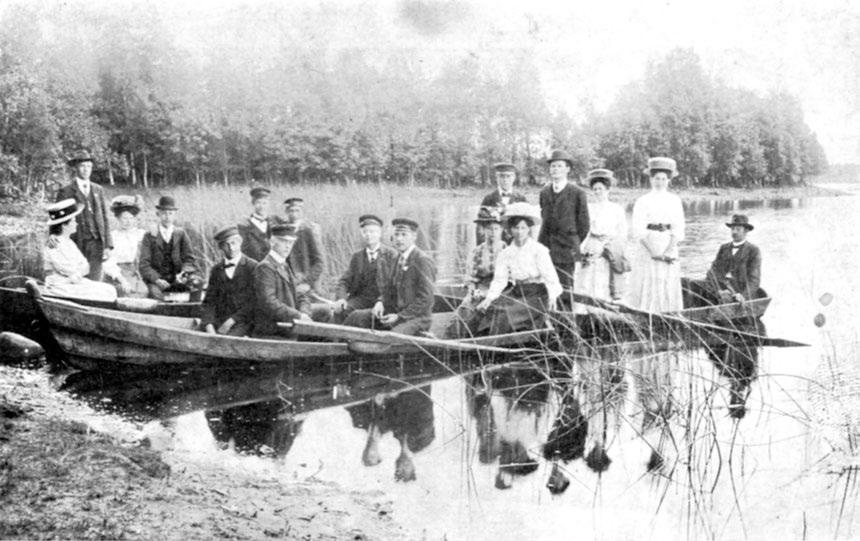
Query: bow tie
(372, 255)
(229, 265)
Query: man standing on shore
(565, 221)
(93, 235)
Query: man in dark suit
(565, 220)
(228, 307)
(93, 235)
(406, 298)
(255, 229)
(307, 256)
(276, 299)
(502, 196)
(359, 287)
(735, 274)
(167, 264)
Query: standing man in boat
(276, 298)
(228, 307)
(735, 274)
(502, 196)
(406, 297)
(93, 236)
(307, 255)
(565, 221)
(166, 262)
(255, 229)
(359, 287)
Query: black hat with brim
(165, 202)
(741, 220)
(259, 191)
(560, 156)
(405, 223)
(283, 230)
(369, 219)
(79, 157)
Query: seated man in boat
(482, 266)
(525, 282)
(65, 265)
(166, 262)
(735, 274)
(307, 255)
(276, 299)
(228, 307)
(406, 297)
(358, 288)
(255, 229)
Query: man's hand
(739, 298)
(226, 326)
(210, 329)
(302, 289)
(389, 319)
(304, 317)
(339, 305)
(53, 241)
(378, 310)
(162, 284)
(725, 296)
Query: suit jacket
(306, 258)
(565, 222)
(95, 209)
(409, 290)
(159, 259)
(362, 278)
(229, 298)
(275, 298)
(255, 243)
(741, 271)
(494, 198)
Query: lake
(787, 469)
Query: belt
(659, 227)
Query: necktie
(371, 256)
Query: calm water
(772, 474)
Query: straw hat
(522, 210)
(662, 164)
(63, 211)
(605, 175)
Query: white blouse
(65, 260)
(658, 208)
(527, 263)
(607, 219)
(126, 243)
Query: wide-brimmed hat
(165, 202)
(742, 220)
(78, 157)
(662, 164)
(130, 203)
(63, 211)
(560, 155)
(521, 209)
(488, 215)
(596, 175)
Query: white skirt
(60, 286)
(655, 286)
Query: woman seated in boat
(124, 257)
(600, 272)
(65, 266)
(525, 284)
(658, 227)
(482, 265)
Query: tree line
(120, 85)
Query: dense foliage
(120, 84)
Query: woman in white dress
(64, 264)
(658, 227)
(123, 261)
(606, 238)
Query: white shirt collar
(370, 250)
(165, 233)
(405, 255)
(83, 185)
(559, 186)
(277, 257)
(234, 261)
(258, 218)
(738, 244)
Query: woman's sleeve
(500, 276)
(678, 224)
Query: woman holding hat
(525, 284)
(658, 227)
(482, 267)
(65, 266)
(604, 244)
(125, 256)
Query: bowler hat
(283, 230)
(560, 155)
(123, 203)
(165, 202)
(369, 219)
(522, 209)
(504, 167)
(405, 223)
(259, 191)
(597, 175)
(662, 164)
(63, 211)
(78, 157)
(742, 220)
(293, 201)
(488, 215)
(225, 233)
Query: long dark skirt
(521, 307)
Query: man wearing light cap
(228, 307)
(276, 299)
(359, 287)
(405, 303)
(255, 229)
(307, 255)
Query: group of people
(270, 267)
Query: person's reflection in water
(738, 363)
(262, 428)
(408, 416)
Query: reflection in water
(262, 428)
